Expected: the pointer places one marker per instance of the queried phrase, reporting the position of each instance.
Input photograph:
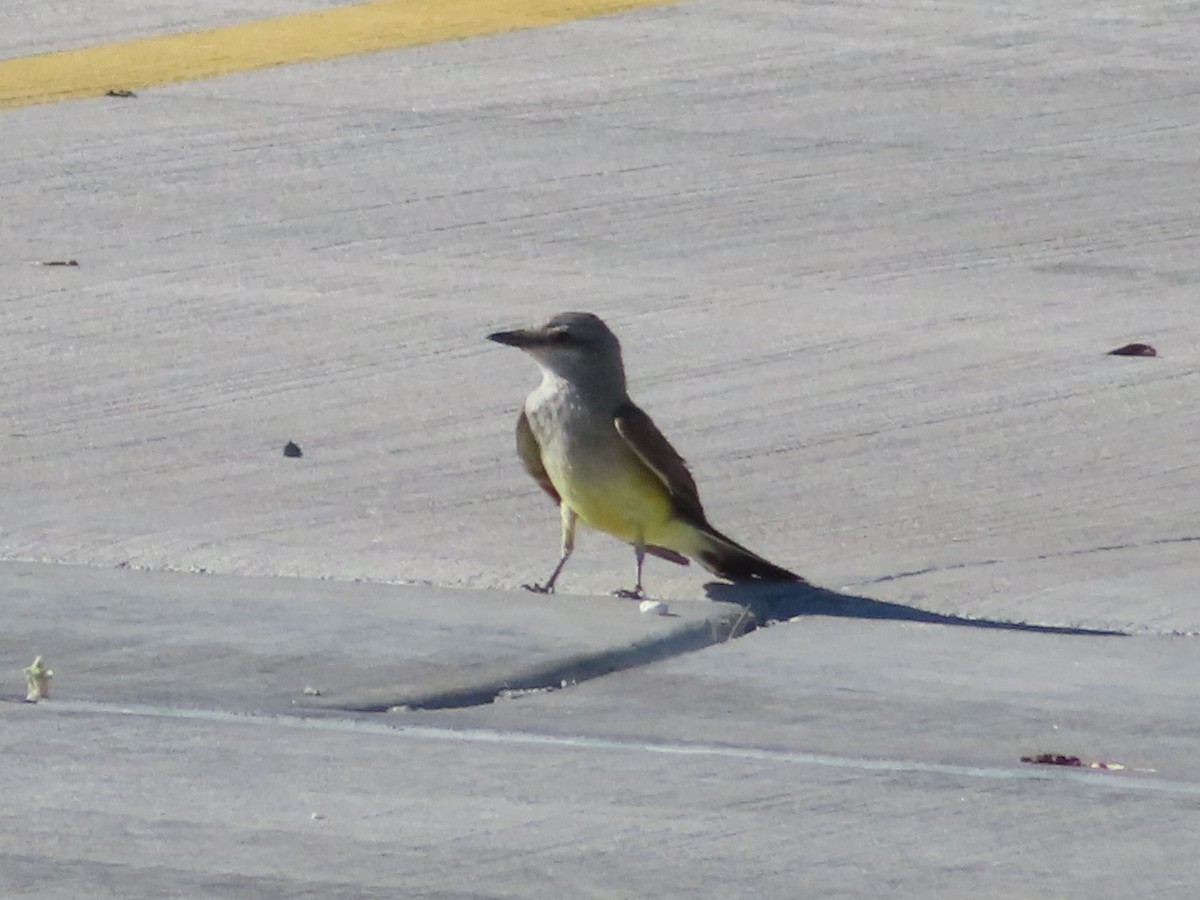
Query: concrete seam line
(1089, 778)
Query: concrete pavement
(179, 754)
(272, 645)
(866, 262)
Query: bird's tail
(727, 558)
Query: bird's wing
(652, 448)
(531, 457)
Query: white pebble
(653, 607)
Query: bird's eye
(561, 337)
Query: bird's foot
(539, 588)
(631, 594)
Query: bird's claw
(631, 593)
(539, 588)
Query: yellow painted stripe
(302, 37)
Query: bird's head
(575, 346)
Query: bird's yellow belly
(627, 500)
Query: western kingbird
(604, 461)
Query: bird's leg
(548, 587)
(639, 552)
(568, 547)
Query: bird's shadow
(780, 602)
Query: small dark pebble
(60, 262)
(120, 92)
(1134, 350)
(1052, 759)
(292, 450)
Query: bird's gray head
(575, 346)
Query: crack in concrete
(760, 604)
(554, 675)
(1059, 554)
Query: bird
(602, 459)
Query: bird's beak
(522, 337)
